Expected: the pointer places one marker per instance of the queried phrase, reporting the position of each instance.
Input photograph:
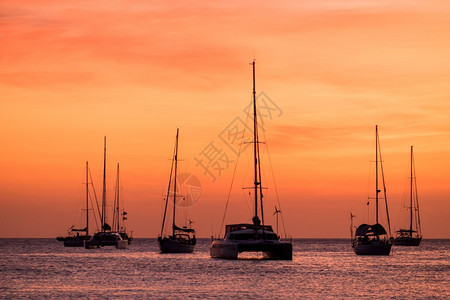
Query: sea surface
(321, 268)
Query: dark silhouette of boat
(105, 237)
(412, 235)
(182, 239)
(255, 237)
(74, 238)
(373, 239)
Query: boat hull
(230, 250)
(407, 241)
(98, 244)
(77, 241)
(222, 249)
(167, 245)
(102, 239)
(372, 249)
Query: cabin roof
(241, 226)
(375, 229)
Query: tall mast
(87, 199)
(104, 188)
(255, 140)
(376, 172)
(175, 183)
(411, 196)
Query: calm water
(38, 268)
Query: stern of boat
(223, 249)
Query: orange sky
(72, 72)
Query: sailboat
(182, 239)
(411, 236)
(77, 240)
(119, 215)
(373, 239)
(257, 236)
(105, 237)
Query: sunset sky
(72, 72)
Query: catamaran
(412, 235)
(182, 239)
(256, 236)
(373, 239)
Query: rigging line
(377, 179)
(115, 223)
(229, 193)
(168, 191)
(87, 198)
(274, 184)
(351, 226)
(103, 217)
(92, 202)
(175, 183)
(259, 175)
(369, 182)
(419, 229)
(234, 173)
(384, 189)
(92, 207)
(247, 197)
(95, 195)
(118, 199)
(405, 194)
(244, 193)
(411, 197)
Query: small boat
(256, 236)
(413, 234)
(182, 239)
(373, 239)
(105, 237)
(74, 238)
